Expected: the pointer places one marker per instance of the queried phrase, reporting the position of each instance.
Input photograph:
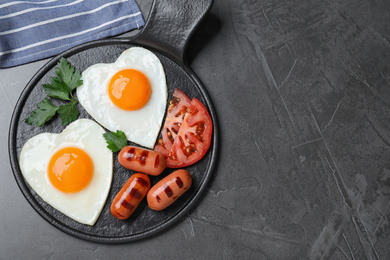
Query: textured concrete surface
(302, 93)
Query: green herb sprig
(115, 141)
(61, 87)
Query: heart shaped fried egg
(71, 171)
(128, 95)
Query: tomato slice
(187, 131)
(193, 139)
(176, 111)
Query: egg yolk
(129, 89)
(70, 169)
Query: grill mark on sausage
(143, 182)
(157, 161)
(179, 182)
(130, 154)
(168, 191)
(119, 215)
(135, 193)
(174, 198)
(143, 157)
(158, 199)
(126, 204)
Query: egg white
(141, 126)
(86, 205)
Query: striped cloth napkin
(35, 29)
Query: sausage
(142, 160)
(130, 196)
(166, 191)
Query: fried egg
(71, 171)
(128, 95)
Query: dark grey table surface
(302, 92)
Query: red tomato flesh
(176, 112)
(186, 134)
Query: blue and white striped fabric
(35, 29)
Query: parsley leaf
(57, 89)
(61, 87)
(115, 141)
(68, 113)
(45, 110)
(69, 75)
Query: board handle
(170, 25)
